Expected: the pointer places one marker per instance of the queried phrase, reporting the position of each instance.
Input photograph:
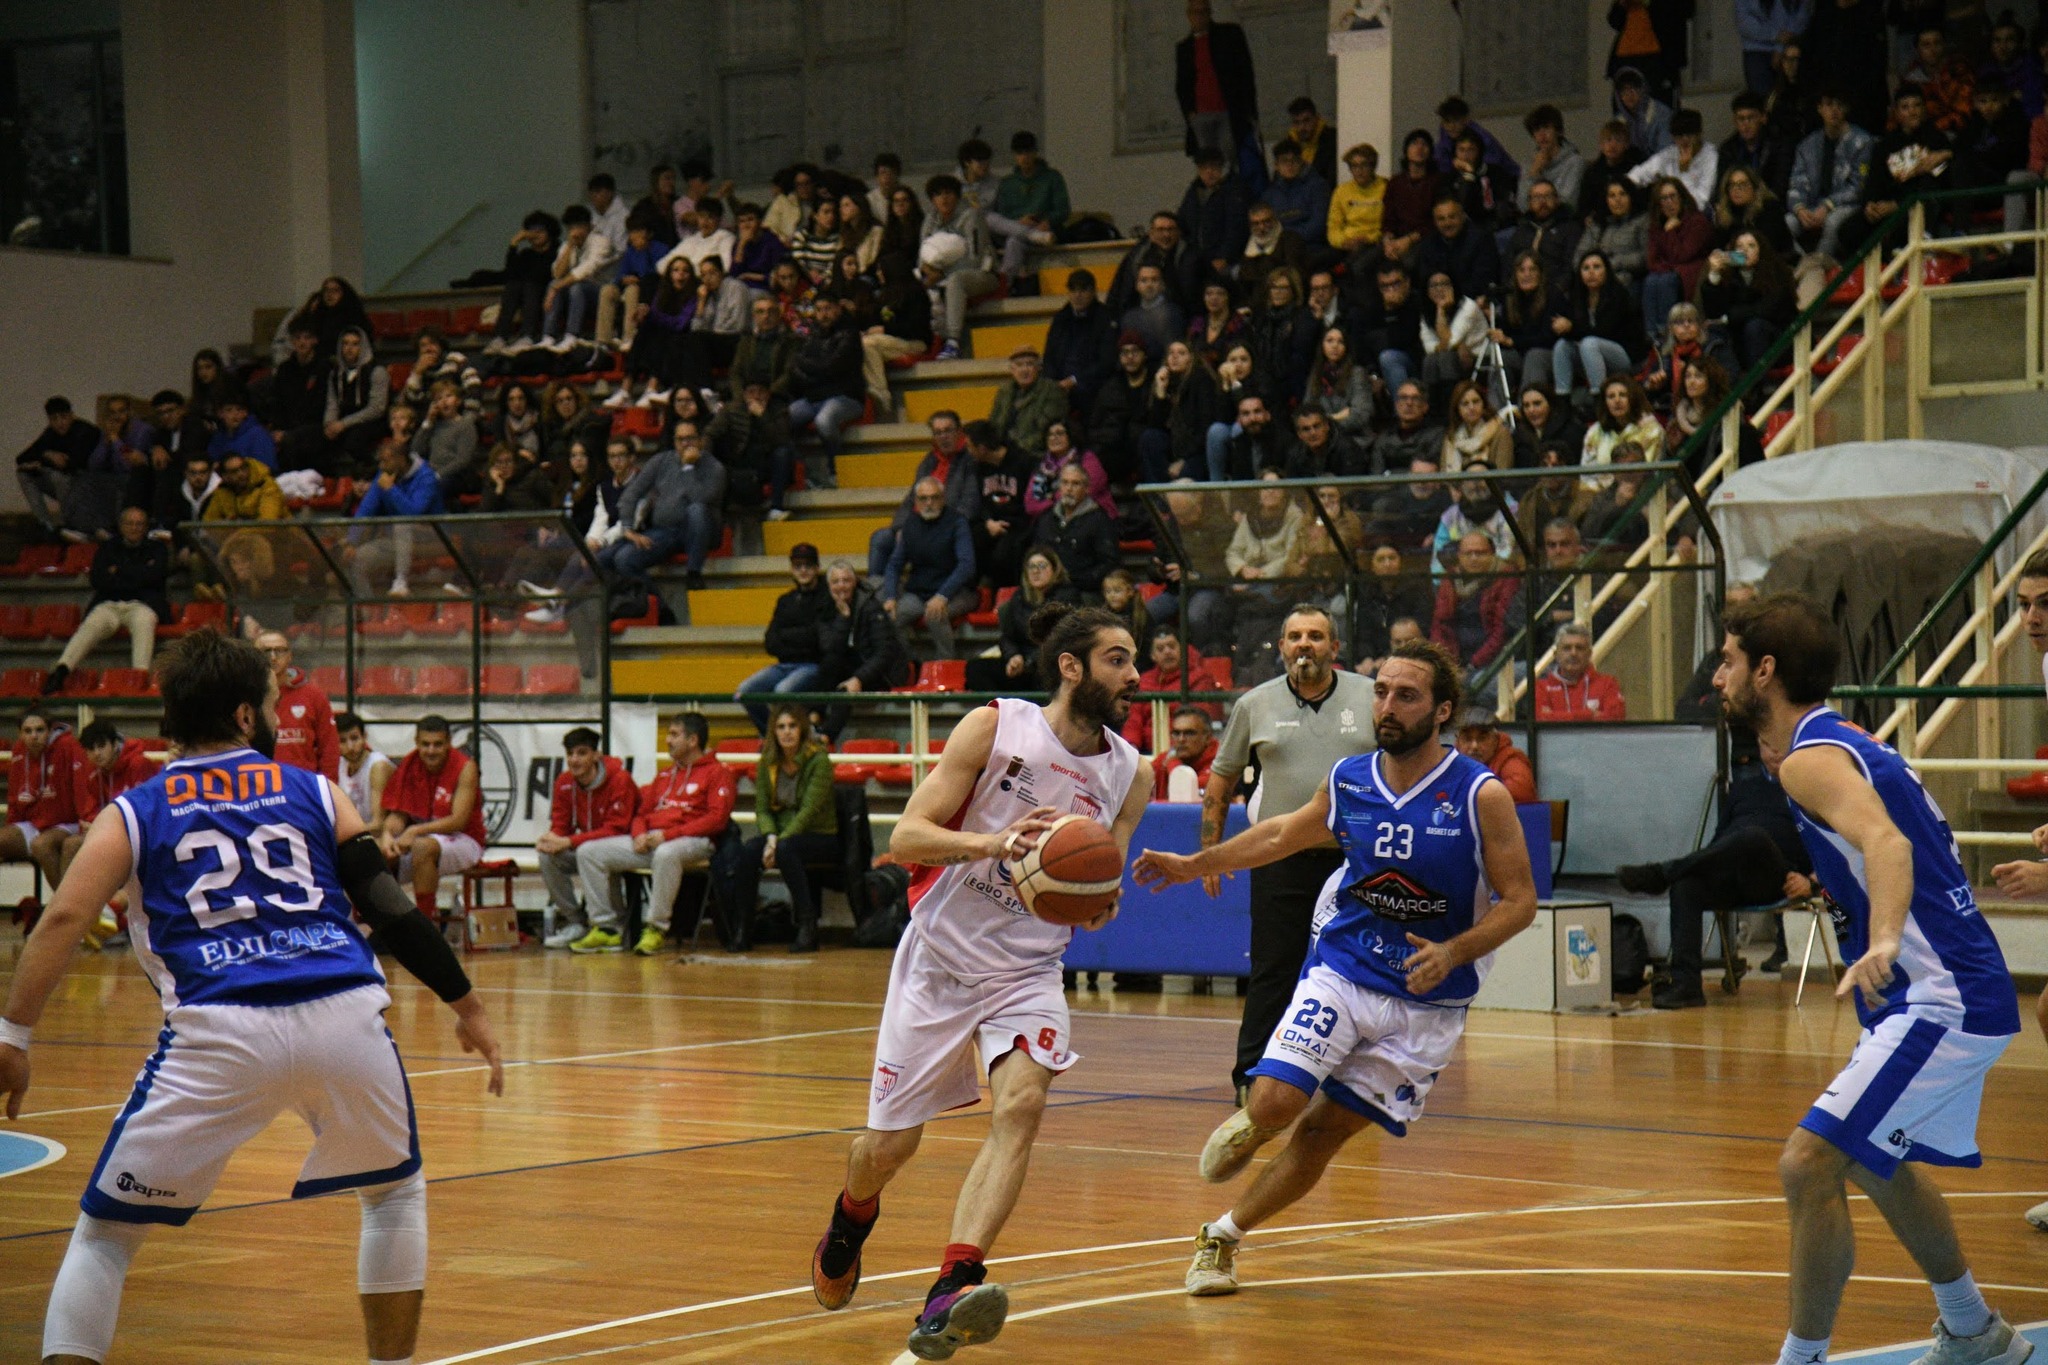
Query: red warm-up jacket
(684, 802)
(42, 790)
(305, 727)
(93, 789)
(580, 814)
(1597, 696)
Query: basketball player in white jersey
(364, 771)
(975, 988)
(2027, 878)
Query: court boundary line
(1408, 1220)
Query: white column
(1390, 78)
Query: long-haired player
(975, 989)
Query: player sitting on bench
(433, 821)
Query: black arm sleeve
(396, 925)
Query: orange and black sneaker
(961, 1310)
(835, 1265)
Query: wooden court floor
(651, 1184)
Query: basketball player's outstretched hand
(13, 1078)
(1428, 965)
(1870, 974)
(473, 1031)
(1158, 869)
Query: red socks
(957, 1252)
(425, 901)
(861, 1211)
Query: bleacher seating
(22, 682)
(863, 772)
(553, 680)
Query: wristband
(13, 1034)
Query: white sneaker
(1997, 1344)
(529, 588)
(2038, 1216)
(518, 344)
(1214, 1269)
(566, 932)
(620, 398)
(567, 343)
(544, 616)
(653, 398)
(1232, 1146)
(782, 514)
(549, 342)
(400, 588)
(497, 346)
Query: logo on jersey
(244, 784)
(1446, 811)
(886, 1076)
(128, 1184)
(1017, 779)
(1396, 896)
(1087, 805)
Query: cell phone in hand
(1738, 259)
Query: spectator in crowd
(1213, 80)
(954, 259)
(1828, 174)
(796, 826)
(1556, 163)
(187, 499)
(608, 212)
(246, 492)
(664, 353)
(1269, 247)
(358, 392)
(1179, 266)
(1476, 505)
(1246, 442)
(723, 305)
(1391, 329)
(306, 736)
(594, 799)
(1618, 157)
(1220, 325)
(1000, 523)
(113, 765)
(1187, 401)
(529, 273)
(860, 236)
(1992, 146)
(1013, 668)
(1703, 385)
(1329, 558)
(1912, 155)
(751, 439)
(1546, 230)
(567, 416)
(1755, 147)
(179, 437)
(815, 247)
(755, 250)
(1751, 288)
(825, 379)
(1678, 242)
(1414, 435)
(513, 483)
(1121, 413)
(1153, 315)
(1624, 416)
(1214, 211)
(1647, 118)
(1282, 336)
(1042, 490)
(405, 486)
(1620, 231)
(209, 371)
(1339, 388)
(1410, 196)
(1183, 772)
(638, 272)
(698, 187)
(1475, 433)
(1300, 198)
(766, 354)
(1320, 450)
(518, 423)
(1690, 159)
(1745, 204)
(706, 236)
(948, 462)
(1545, 421)
(1202, 532)
(297, 402)
(1574, 690)
(1524, 320)
(930, 574)
(583, 265)
(1387, 593)
(1480, 738)
(1564, 552)
(1027, 403)
(1080, 343)
(129, 578)
(672, 504)
(1454, 118)
(658, 205)
(1262, 550)
(1610, 520)
(240, 433)
(1602, 334)
(42, 786)
(1788, 108)
(977, 186)
(1484, 191)
(1171, 665)
(796, 190)
(888, 177)
(1462, 249)
(433, 817)
(792, 638)
(1453, 329)
(1946, 84)
(2009, 64)
(331, 309)
(1765, 28)
(862, 650)
(44, 469)
(678, 821)
(434, 362)
(903, 326)
(361, 772)
(1031, 204)
(447, 441)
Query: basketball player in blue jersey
(1435, 878)
(1930, 985)
(241, 872)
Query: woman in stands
(1624, 417)
(1014, 669)
(1524, 324)
(513, 484)
(1619, 232)
(858, 230)
(816, 245)
(1184, 403)
(1704, 386)
(332, 309)
(1603, 333)
(1043, 489)
(1677, 244)
(519, 419)
(1745, 203)
(1453, 329)
(1219, 327)
(1120, 599)
(1282, 335)
(1749, 289)
(1545, 421)
(1390, 592)
(1235, 381)
(796, 826)
(1474, 432)
(208, 369)
(566, 417)
(793, 294)
(658, 360)
(1329, 562)
(856, 296)
(1552, 498)
(904, 232)
(861, 648)
(1341, 387)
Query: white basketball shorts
(1373, 1053)
(459, 853)
(940, 1034)
(1909, 1093)
(221, 1073)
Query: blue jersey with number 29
(1413, 864)
(240, 902)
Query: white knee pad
(392, 1256)
(85, 1301)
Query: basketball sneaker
(566, 932)
(598, 941)
(961, 1311)
(652, 941)
(1997, 1344)
(1234, 1143)
(2038, 1216)
(1214, 1270)
(835, 1265)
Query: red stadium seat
(127, 682)
(80, 682)
(442, 680)
(388, 325)
(466, 322)
(385, 680)
(724, 550)
(77, 559)
(1776, 423)
(32, 560)
(649, 617)
(553, 680)
(501, 621)
(329, 679)
(22, 682)
(398, 371)
(193, 615)
(741, 772)
(856, 773)
(1136, 547)
(56, 620)
(450, 618)
(899, 775)
(335, 500)
(1148, 591)
(1844, 347)
(501, 680)
(418, 319)
(17, 622)
(985, 613)
(942, 675)
(643, 422)
(397, 619)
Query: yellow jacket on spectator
(262, 500)
(1355, 211)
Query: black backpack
(1631, 955)
(888, 897)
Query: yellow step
(1052, 279)
(971, 401)
(995, 342)
(708, 671)
(733, 606)
(889, 469)
(832, 535)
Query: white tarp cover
(1874, 487)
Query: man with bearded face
(975, 988)
(1289, 728)
(1433, 876)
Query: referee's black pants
(1740, 868)
(1283, 896)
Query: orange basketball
(1072, 873)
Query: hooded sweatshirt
(580, 814)
(92, 788)
(688, 802)
(41, 790)
(305, 726)
(359, 395)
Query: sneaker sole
(2037, 1218)
(832, 1295)
(1221, 1158)
(1210, 1288)
(975, 1317)
(592, 952)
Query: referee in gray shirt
(1293, 729)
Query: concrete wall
(461, 104)
(239, 201)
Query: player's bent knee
(885, 1151)
(392, 1256)
(1274, 1104)
(1810, 1165)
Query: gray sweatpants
(600, 860)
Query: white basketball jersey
(969, 913)
(357, 785)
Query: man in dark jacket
(829, 387)
(930, 576)
(1080, 342)
(58, 453)
(1213, 212)
(751, 439)
(1122, 410)
(297, 401)
(793, 636)
(1254, 441)
(766, 353)
(1390, 330)
(1212, 78)
(1547, 231)
(1320, 452)
(1755, 148)
(1001, 527)
(1179, 266)
(1078, 531)
(1460, 249)
(948, 462)
(128, 577)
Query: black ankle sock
(957, 1275)
(843, 1241)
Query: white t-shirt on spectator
(699, 245)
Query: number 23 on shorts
(1314, 1014)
